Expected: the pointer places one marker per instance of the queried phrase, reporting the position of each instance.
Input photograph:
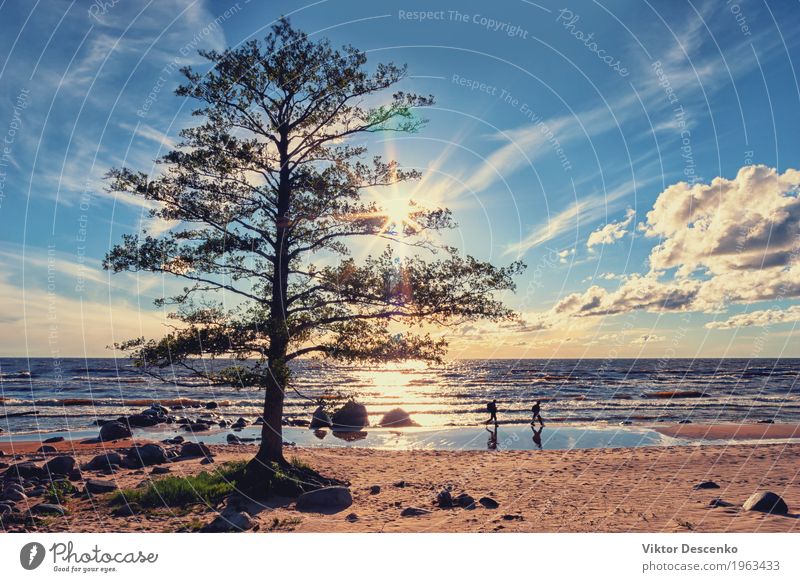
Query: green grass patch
(206, 487)
(58, 491)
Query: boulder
(48, 509)
(127, 510)
(465, 500)
(46, 449)
(59, 465)
(191, 449)
(488, 503)
(114, 430)
(240, 423)
(766, 501)
(397, 417)
(98, 486)
(149, 454)
(104, 462)
(351, 416)
(414, 512)
(230, 520)
(444, 499)
(326, 499)
(24, 470)
(320, 419)
(233, 439)
(211, 405)
(197, 427)
(53, 440)
(14, 495)
(144, 420)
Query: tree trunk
(271, 449)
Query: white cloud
(761, 318)
(611, 232)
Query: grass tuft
(206, 487)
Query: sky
(640, 157)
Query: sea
(41, 395)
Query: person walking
(536, 409)
(491, 407)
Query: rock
(375, 489)
(211, 405)
(2, 453)
(233, 439)
(400, 484)
(143, 420)
(160, 471)
(127, 510)
(24, 470)
(15, 496)
(48, 509)
(325, 499)
(75, 475)
(230, 520)
(162, 410)
(259, 420)
(53, 440)
(59, 465)
(717, 502)
(706, 485)
(320, 419)
(444, 499)
(98, 486)
(223, 423)
(766, 501)
(197, 427)
(352, 416)
(191, 449)
(352, 517)
(300, 422)
(397, 417)
(114, 430)
(513, 517)
(5, 508)
(465, 500)
(104, 462)
(149, 454)
(13, 487)
(414, 512)
(488, 503)
(240, 423)
(46, 449)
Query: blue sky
(561, 134)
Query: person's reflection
(491, 444)
(537, 435)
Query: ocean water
(70, 394)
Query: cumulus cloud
(611, 232)
(761, 318)
(748, 223)
(733, 241)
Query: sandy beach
(644, 489)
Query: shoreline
(644, 489)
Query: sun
(397, 210)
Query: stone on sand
(333, 498)
(62, 465)
(114, 430)
(414, 512)
(767, 502)
(320, 419)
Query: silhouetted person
(536, 410)
(537, 435)
(491, 444)
(491, 407)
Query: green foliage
(172, 491)
(57, 492)
(270, 190)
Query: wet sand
(732, 431)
